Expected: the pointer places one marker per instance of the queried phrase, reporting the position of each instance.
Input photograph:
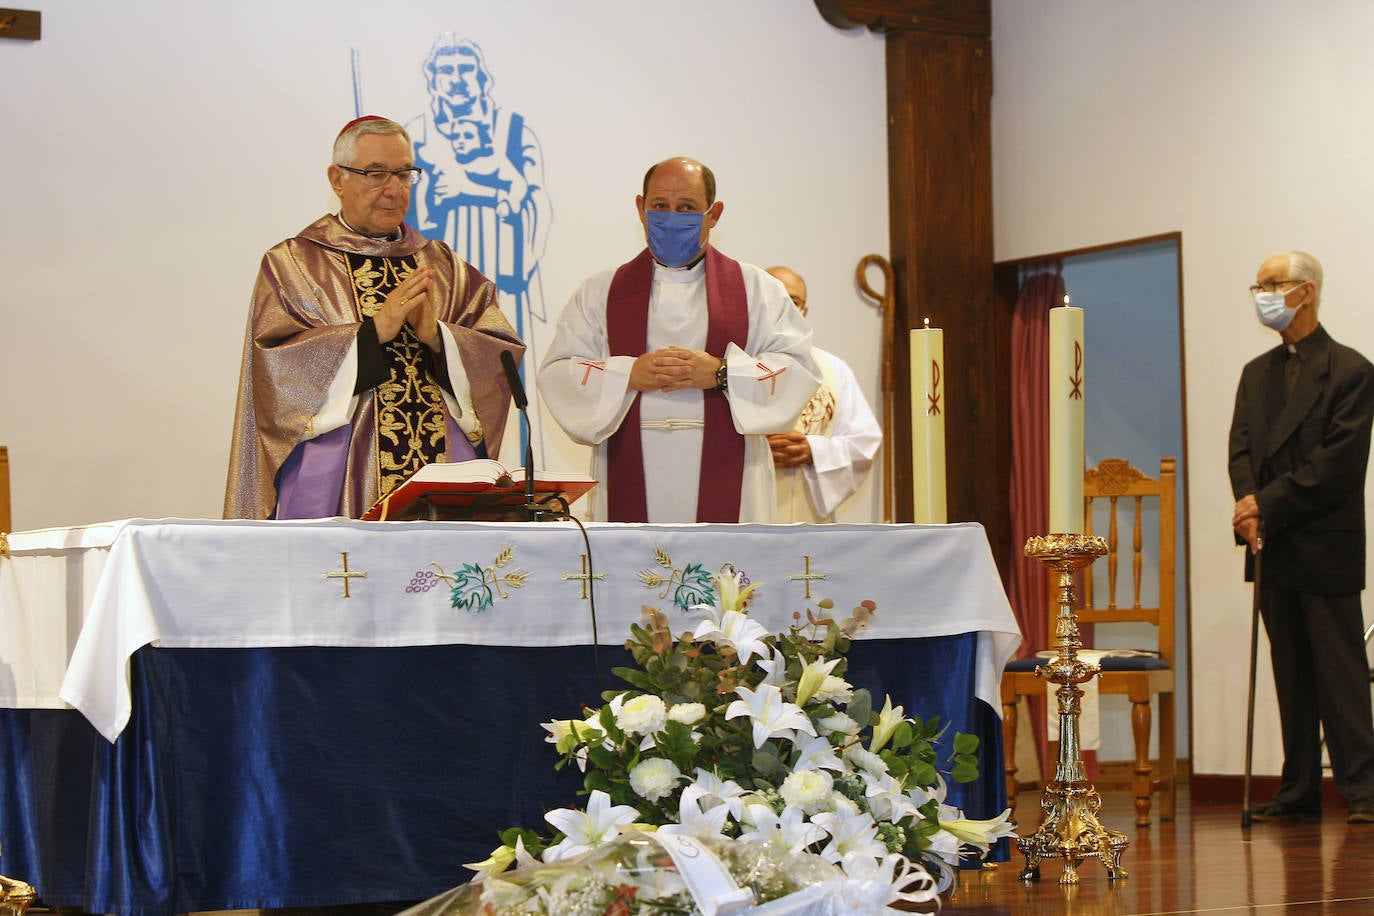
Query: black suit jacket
(1304, 459)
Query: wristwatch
(722, 378)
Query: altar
(227, 714)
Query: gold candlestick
(15, 896)
(1070, 829)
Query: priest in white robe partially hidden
(824, 460)
(675, 367)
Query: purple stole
(722, 452)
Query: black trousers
(1321, 675)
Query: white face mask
(1273, 311)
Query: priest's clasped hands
(410, 302)
(674, 368)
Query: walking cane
(1250, 703)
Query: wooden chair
(1139, 677)
(4, 488)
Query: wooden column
(939, 92)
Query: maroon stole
(722, 453)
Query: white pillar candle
(928, 424)
(1066, 419)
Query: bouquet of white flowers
(753, 747)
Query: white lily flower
(944, 845)
(786, 833)
(980, 834)
(888, 720)
(875, 885)
(502, 857)
(732, 597)
(813, 675)
(839, 724)
(693, 821)
(775, 667)
(886, 799)
(771, 714)
(850, 834)
(739, 631)
(816, 753)
(835, 690)
(866, 760)
(583, 830)
(717, 791)
(842, 804)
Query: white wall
(153, 149)
(1246, 125)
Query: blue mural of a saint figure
(482, 188)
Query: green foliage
(697, 682)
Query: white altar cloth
(46, 584)
(198, 583)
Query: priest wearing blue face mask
(1299, 448)
(675, 367)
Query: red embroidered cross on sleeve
(771, 377)
(590, 364)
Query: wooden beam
(939, 94)
(26, 25)
(955, 17)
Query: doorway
(1131, 294)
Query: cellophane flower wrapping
(634, 874)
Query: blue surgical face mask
(1273, 311)
(674, 238)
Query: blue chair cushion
(1109, 663)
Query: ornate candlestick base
(1070, 830)
(15, 896)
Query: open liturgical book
(478, 490)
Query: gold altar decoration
(15, 896)
(1070, 829)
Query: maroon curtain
(1042, 288)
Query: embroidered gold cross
(771, 377)
(584, 576)
(807, 576)
(346, 574)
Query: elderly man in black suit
(1298, 452)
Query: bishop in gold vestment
(370, 351)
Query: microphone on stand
(517, 393)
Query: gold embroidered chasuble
(311, 296)
(411, 420)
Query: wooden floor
(1203, 862)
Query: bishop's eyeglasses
(375, 178)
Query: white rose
(643, 715)
(808, 790)
(654, 778)
(687, 713)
